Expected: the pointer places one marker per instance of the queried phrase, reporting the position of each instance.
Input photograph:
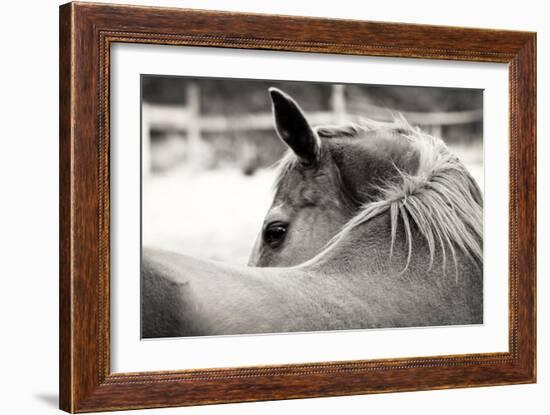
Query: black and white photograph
(283, 206)
(275, 207)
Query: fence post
(145, 140)
(436, 130)
(338, 103)
(196, 151)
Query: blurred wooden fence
(188, 119)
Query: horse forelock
(283, 166)
(290, 162)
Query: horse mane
(441, 199)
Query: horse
(372, 225)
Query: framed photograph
(258, 207)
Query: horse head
(326, 176)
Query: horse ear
(293, 127)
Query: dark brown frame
(86, 33)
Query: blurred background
(208, 149)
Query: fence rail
(187, 118)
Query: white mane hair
(441, 199)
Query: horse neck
(366, 251)
(391, 291)
(362, 249)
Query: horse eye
(274, 234)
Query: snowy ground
(215, 214)
(218, 214)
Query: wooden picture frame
(86, 33)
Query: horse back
(165, 298)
